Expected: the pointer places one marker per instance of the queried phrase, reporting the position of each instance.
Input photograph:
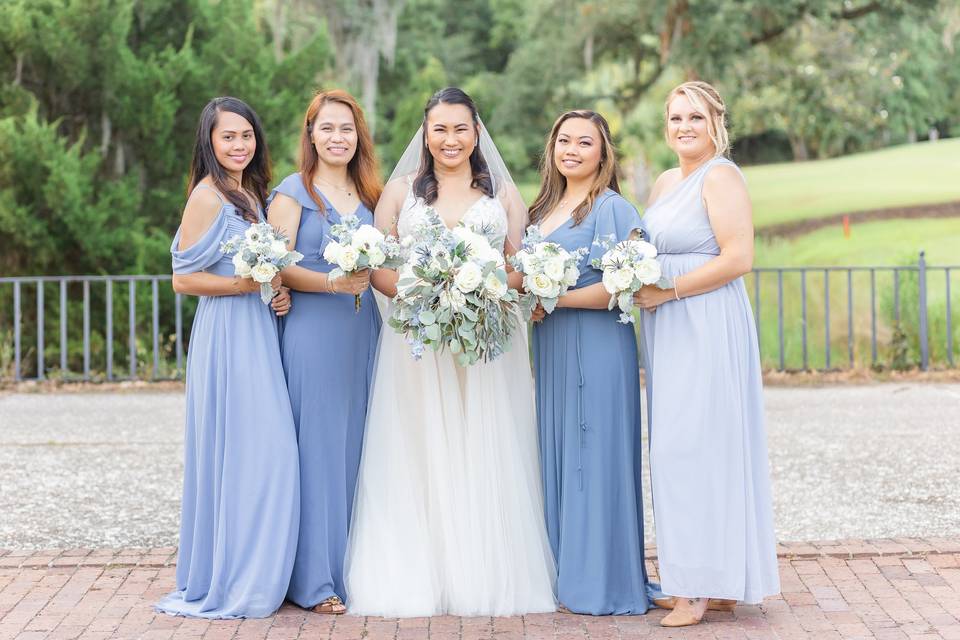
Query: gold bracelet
(676, 288)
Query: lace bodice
(485, 216)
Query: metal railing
(88, 284)
(908, 317)
(888, 316)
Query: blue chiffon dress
(708, 447)
(588, 412)
(240, 512)
(328, 354)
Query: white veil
(503, 186)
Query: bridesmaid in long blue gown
(328, 349)
(587, 384)
(240, 511)
(708, 450)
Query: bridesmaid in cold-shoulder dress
(240, 512)
(708, 449)
(328, 348)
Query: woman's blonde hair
(553, 183)
(705, 99)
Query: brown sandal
(331, 606)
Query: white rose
(541, 285)
(468, 277)
(623, 278)
(366, 235)
(332, 251)
(647, 270)
(571, 276)
(278, 249)
(263, 272)
(554, 268)
(376, 256)
(494, 286)
(347, 260)
(644, 248)
(240, 266)
(529, 262)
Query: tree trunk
(799, 147)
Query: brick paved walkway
(885, 589)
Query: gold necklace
(344, 189)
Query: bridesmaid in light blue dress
(240, 509)
(328, 349)
(708, 450)
(587, 384)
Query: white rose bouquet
(260, 253)
(453, 292)
(358, 246)
(627, 266)
(548, 270)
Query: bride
(448, 515)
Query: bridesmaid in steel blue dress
(328, 348)
(587, 384)
(240, 509)
(708, 450)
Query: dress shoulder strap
(201, 185)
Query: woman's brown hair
(553, 183)
(362, 168)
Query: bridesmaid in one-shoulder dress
(240, 511)
(708, 450)
(587, 383)
(328, 348)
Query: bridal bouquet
(260, 253)
(627, 266)
(453, 293)
(358, 246)
(548, 270)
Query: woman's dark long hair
(425, 184)
(256, 175)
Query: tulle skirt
(448, 514)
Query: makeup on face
(334, 133)
(687, 128)
(451, 134)
(234, 141)
(578, 149)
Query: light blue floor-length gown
(588, 411)
(328, 353)
(708, 448)
(240, 512)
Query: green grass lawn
(885, 242)
(922, 173)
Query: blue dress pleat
(708, 448)
(240, 509)
(328, 355)
(588, 412)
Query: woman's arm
(731, 218)
(385, 218)
(284, 213)
(517, 219)
(201, 210)
(594, 296)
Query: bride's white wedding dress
(448, 514)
